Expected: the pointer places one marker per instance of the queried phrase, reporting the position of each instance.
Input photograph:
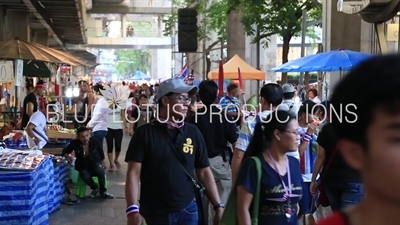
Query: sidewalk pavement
(98, 211)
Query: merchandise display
(18, 161)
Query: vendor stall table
(28, 197)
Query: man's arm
(69, 149)
(29, 109)
(240, 149)
(206, 177)
(132, 183)
(29, 130)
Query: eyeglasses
(292, 132)
(182, 99)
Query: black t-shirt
(212, 126)
(164, 185)
(29, 98)
(142, 116)
(339, 171)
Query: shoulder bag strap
(333, 156)
(181, 162)
(256, 198)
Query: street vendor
(35, 130)
(89, 161)
(30, 105)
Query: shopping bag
(230, 214)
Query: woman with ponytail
(281, 175)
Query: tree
(212, 18)
(281, 17)
(130, 61)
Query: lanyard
(288, 189)
(172, 124)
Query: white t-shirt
(114, 119)
(100, 113)
(39, 120)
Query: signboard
(19, 70)
(6, 72)
(392, 32)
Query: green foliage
(212, 18)
(282, 17)
(130, 61)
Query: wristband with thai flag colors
(131, 210)
(307, 137)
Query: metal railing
(137, 32)
(151, 3)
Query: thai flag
(184, 72)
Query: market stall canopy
(17, 49)
(231, 70)
(76, 60)
(139, 75)
(337, 60)
(38, 69)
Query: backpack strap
(256, 198)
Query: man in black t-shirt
(31, 103)
(162, 156)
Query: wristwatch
(220, 205)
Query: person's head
(173, 98)
(288, 91)
(98, 88)
(40, 88)
(143, 99)
(307, 111)
(83, 135)
(369, 133)
(278, 132)
(208, 91)
(156, 87)
(323, 111)
(233, 90)
(312, 93)
(148, 92)
(271, 96)
(85, 87)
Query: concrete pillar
(154, 61)
(17, 25)
(338, 32)
(41, 37)
(124, 27)
(2, 22)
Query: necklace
(288, 189)
(172, 124)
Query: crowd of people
(276, 166)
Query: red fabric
(302, 164)
(42, 103)
(334, 219)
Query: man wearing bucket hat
(162, 156)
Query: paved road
(98, 212)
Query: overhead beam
(43, 21)
(116, 9)
(80, 9)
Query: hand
(136, 219)
(218, 215)
(314, 188)
(311, 129)
(36, 140)
(68, 158)
(131, 132)
(103, 164)
(126, 131)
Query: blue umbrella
(139, 75)
(338, 60)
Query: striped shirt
(230, 104)
(307, 159)
(247, 130)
